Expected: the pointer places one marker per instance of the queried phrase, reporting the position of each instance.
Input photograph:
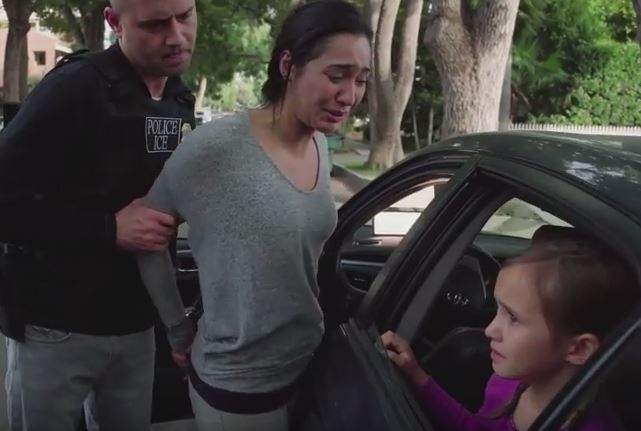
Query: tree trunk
(15, 71)
(417, 140)
(470, 49)
(430, 126)
(89, 30)
(76, 28)
(505, 107)
(202, 89)
(380, 155)
(23, 84)
(392, 95)
(406, 67)
(373, 12)
(93, 27)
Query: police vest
(136, 134)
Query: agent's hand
(142, 229)
(400, 352)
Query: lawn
(359, 168)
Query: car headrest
(557, 234)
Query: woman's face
(324, 91)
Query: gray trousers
(211, 419)
(52, 373)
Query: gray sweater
(256, 240)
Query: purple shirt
(451, 416)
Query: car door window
(466, 297)
(399, 217)
(520, 219)
(374, 242)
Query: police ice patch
(162, 134)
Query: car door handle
(187, 270)
(361, 242)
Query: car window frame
(374, 197)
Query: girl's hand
(400, 352)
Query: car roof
(610, 166)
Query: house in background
(45, 48)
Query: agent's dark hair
(304, 33)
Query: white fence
(588, 130)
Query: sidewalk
(345, 183)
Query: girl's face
(324, 91)
(523, 344)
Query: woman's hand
(400, 352)
(181, 358)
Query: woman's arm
(158, 274)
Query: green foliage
(233, 37)
(619, 18)
(572, 62)
(241, 92)
(63, 16)
(610, 96)
(228, 41)
(559, 48)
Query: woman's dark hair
(304, 33)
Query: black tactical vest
(137, 133)
(100, 291)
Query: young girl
(556, 302)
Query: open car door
(351, 384)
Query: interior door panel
(352, 385)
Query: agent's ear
(285, 64)
(581, 348)
(113, 20)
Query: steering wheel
(471, 283)
(466, 298)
